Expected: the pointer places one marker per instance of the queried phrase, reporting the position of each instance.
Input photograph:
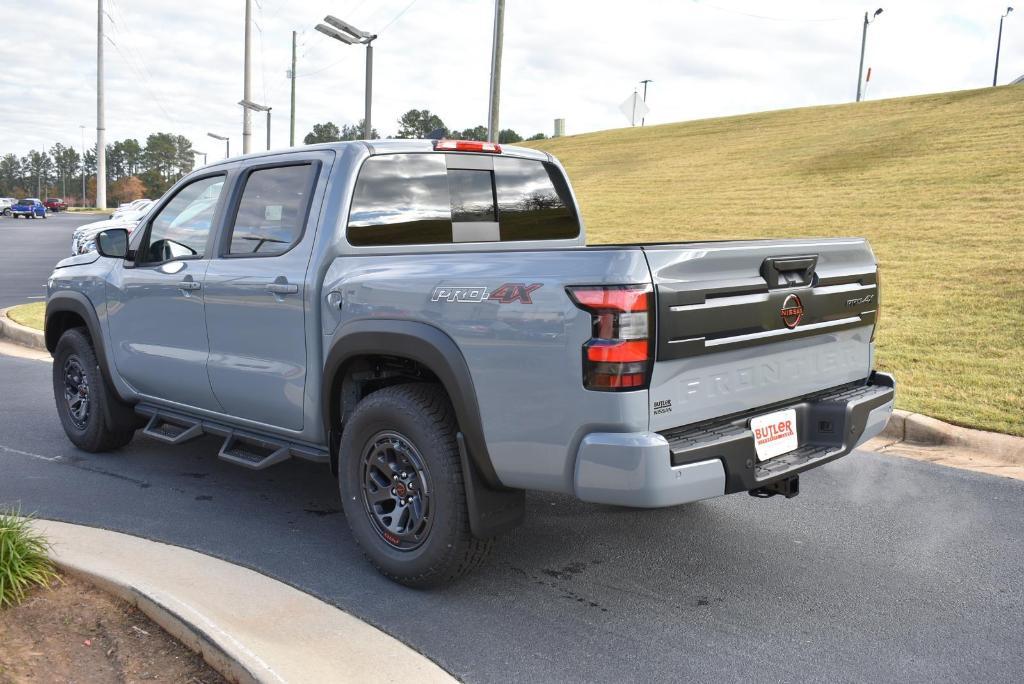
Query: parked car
(425, 318)
(139, 205)
(55, 204)
(5, 205)
(83, 240)
(29, 208)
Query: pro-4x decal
(506, 293)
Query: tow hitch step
(174, 431)
(787, 487)
(252, 453)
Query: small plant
(23, 559)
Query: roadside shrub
(23, 559)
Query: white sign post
(634, 108)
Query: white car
(84, 238)
(125, 210)
(5, 205)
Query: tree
(325, 132)
(161, 161)
(127, 189)
(538, 136)
(185, 158)
(66, 163)
(507, 136)
(10, 174)
(420, 123)
(133, 156)
(40, 171)
(477, 133)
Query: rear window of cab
(430, 198)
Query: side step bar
(176, 431)
(246, 449)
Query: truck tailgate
(746, 324)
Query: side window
(401, 199)
(534, 202)
(272, 210)
(182, 226)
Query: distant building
(559, 128)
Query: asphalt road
(883, 569)
(30, 248)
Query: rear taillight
(467, 146)
(617, 357)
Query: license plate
(774, 434)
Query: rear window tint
(401, 199)
(533, 201)
(406, 199)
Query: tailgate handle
(790, 271)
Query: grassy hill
(935, 182)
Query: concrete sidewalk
(247, 626)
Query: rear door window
(272, 211)
(407, 199)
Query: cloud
(177, 67)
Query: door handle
(282, 288)
(189, 285)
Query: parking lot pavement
(882, 569)
(30, 249)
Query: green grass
(30, 315)
(936, 183)
(23, 559)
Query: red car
(55, 204)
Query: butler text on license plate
(774, 433)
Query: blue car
(29, 208)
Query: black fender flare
(70, 301)
(493, 508)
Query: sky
(178, 66)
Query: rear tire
(413, 526)
(93, 416)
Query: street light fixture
(999, 44)
(248, 104)
(350, 35)
(197, 153)
(863, 41)
(227, 142)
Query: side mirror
(113, 243)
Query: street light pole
(645, 82)
(227, 142)
(247, 80)
(101, 128)
(350, 35)
(999, 43)
(82, 126)
(496, 46)
(863, 43)
(291, 74)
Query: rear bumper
(696, 462)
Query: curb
(915, 429)
(20, 334)
(247, 626)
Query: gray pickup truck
(425, 318)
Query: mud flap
(491, 511)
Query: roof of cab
(390, 146)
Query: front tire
(402, 488)
(92, 415)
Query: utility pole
(645, 82)
(863, 42)
(247, 80)
(101, 131)
(999, 44)
(82, 127)
(367, 125)
(291, 74)
(499, 34)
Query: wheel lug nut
(393, 490)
